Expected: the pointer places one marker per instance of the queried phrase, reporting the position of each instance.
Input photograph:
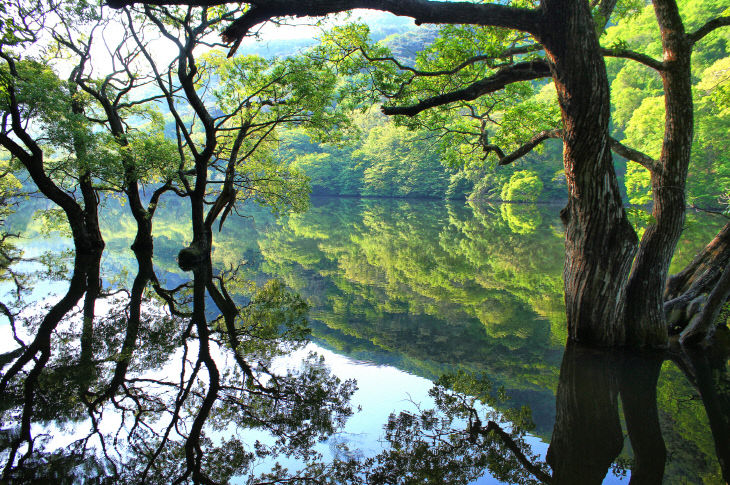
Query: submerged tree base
(695, 296)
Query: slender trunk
(86, 368)
(600, 242)
(42, 339)
(91, 212)
(194, 454)
(143, 239)
(39, 352)
(201, 245)
(145, 273)
(645, 318)
(199, 250)
(86, 241)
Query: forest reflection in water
(160, 375)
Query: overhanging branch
(523, 71)
(422, 11)
(508, 53)
(634, 56)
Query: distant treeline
(393, 161)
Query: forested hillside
(445, 158)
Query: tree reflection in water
(173, 385)
(149, 396)
(459, 440)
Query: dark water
(141, 382)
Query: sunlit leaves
(637, 101)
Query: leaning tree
(614, 284)
(38, 109)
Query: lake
(162, 373)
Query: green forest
(384, 159)
(523, 205)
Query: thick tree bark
(701, 326)
(702, 282)
(645, 319)
(600, 242)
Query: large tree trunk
(600, 242)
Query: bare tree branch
(526, 148)
(515, 449)
(634, 56)
(468, 62)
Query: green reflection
(432, 288)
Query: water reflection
(459, 440)
(174, 378)
(587, 437)
(162, 385)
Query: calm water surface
(399, 294)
